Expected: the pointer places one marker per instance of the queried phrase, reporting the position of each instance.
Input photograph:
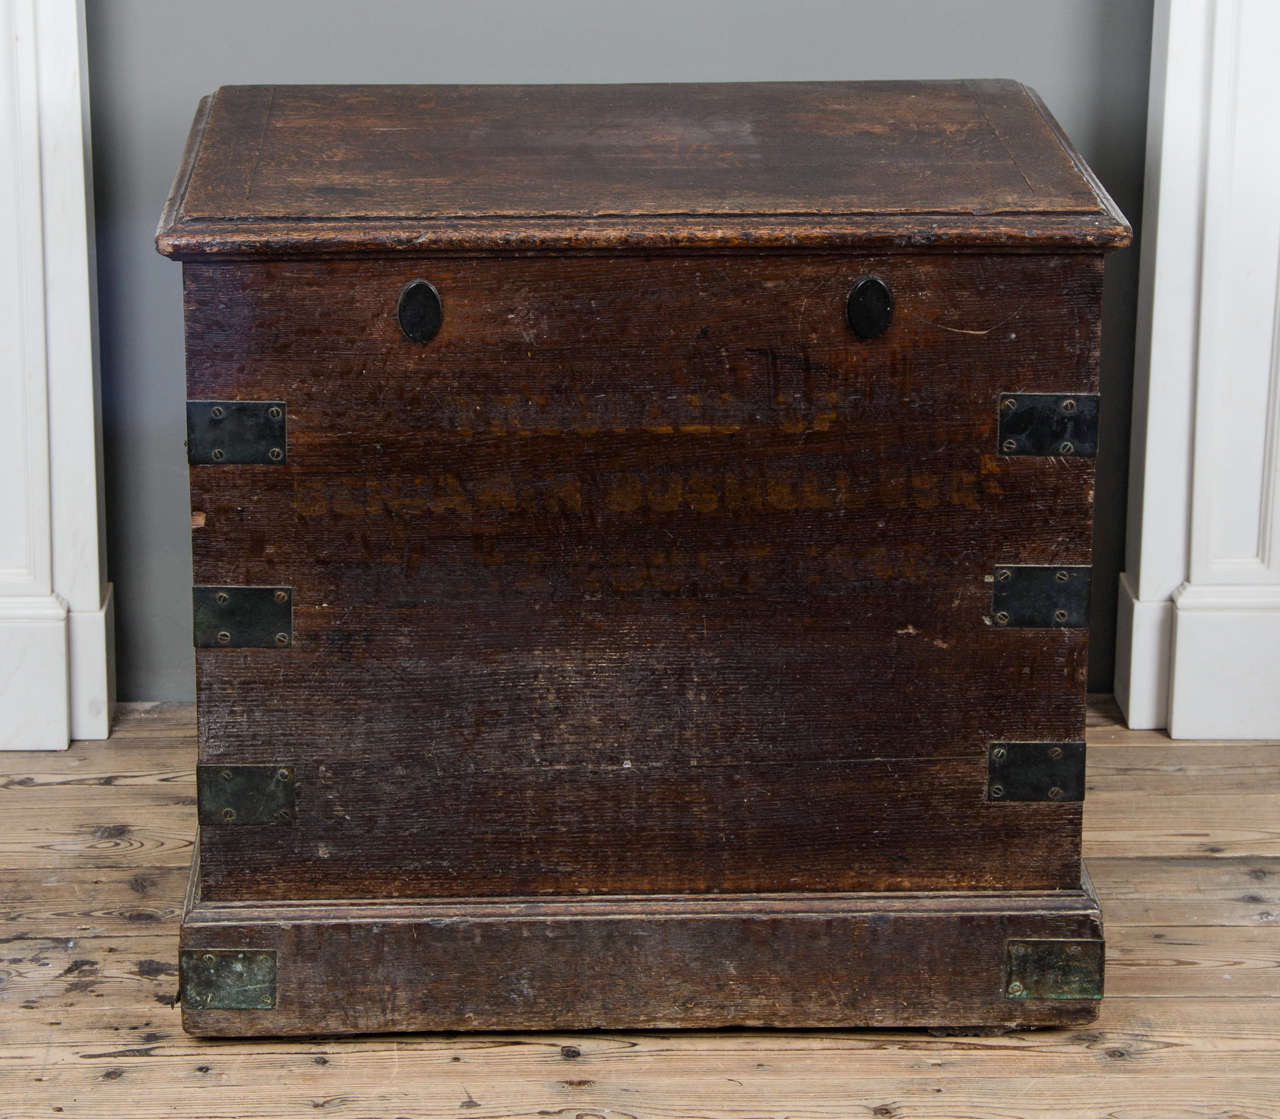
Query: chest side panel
(645, 575)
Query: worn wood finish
(560, 345)
(599, 595)
(797, 960)
(87, 1023)
(641, 665)
(455, 168)
(426, 828)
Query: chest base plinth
(995, 959)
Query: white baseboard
(1225, 671)
(1144, 633)
(91, 638)
(34, 674)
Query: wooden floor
(1183, 841)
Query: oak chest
(641, 545)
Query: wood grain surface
(643, 576)
(88, 1029)
(676, 963)
(282, 169)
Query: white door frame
(1198, 628)
(56, 625)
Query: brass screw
(1055, 753)
(1008, 404)
(225, 775)
(217, 411)
(217, 454)
(1067, 447)
(1004, 575)
(999, 753)
(1009, 445)
(208, 957)
(282, 639)
(1015, 988)
(222, 598)
(1002, 618)
(281, 596)
(228, 814)
(1068, 405)
(997, 791)
(1056, 793)
(1059, 616)
(275, 454)
(275, 413)
(284, 774)
(1062, 576)
(223, 637)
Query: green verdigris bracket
(245, 794)
(1053, 969)
(227, 979)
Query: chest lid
(320, 170)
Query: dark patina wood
(646, 962)
(323, 169)
(645, 576)
(633, 550)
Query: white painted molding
(1199, 616)
(1226, 628)
(56, 636)
(1159, 515)
(26, 564)
(1226, 646)
(75, 421)
(1144, 633)
(34, 713)
(1236, 392)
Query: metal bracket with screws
(1047, 597)
(227, 979)
(245, 795)
(1035, 771)
(1048, 424)
(242, 617)
(236, 432)
(1054, 969)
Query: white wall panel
(56, 678)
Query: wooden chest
(641, 541)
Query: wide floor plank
(240, 1087)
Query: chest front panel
(645, 575)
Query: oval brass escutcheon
(869, 307)
(420, 311)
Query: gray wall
(151, 60)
